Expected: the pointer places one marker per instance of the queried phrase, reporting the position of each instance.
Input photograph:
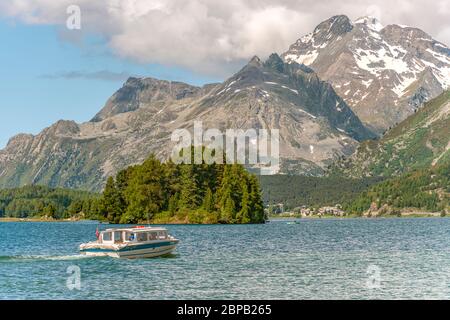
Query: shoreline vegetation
(285, 216)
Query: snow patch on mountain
(375, 61)
(305, 59)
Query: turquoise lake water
(315, 259)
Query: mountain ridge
(316, 126)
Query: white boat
(136, 242)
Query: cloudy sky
(51, 72)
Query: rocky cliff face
(384, 73)
(316, 126)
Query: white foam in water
(68, 257)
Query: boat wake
(30, 258)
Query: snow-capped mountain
(384, 73)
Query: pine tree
(256, 203)
(145, 193)
(228, 210)
(50, 211)
(75, 207)
(189, 195)
(173, 203)
(208, 201)
(243, 215)
(224, 191)
(111, 200)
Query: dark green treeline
(183, 193)
(56, 203)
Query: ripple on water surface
(314, 259)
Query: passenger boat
(135, 242)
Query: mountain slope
(316, 126)
(421, 141)
(383, 73)
(425, 190)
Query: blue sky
(41, 78)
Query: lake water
(315, 259)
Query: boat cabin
(132, 235)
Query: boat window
(130, 236)
(152, 236)
(142, 236)
(118, 236)
(162, 235)
(107, 236)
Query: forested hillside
(427, 190)
(295, 191)
(40, 201)
(419, 142)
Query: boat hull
(148, 250)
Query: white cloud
(212, 36)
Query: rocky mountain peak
(275, 63)
(275, 81)
(19, 139)
(139, 92)
(377, 70)
(65, 128)
(336, 25)
(370, 22)
(255, 61)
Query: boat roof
(136, 229)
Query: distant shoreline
(414, 214)
(271, 218)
